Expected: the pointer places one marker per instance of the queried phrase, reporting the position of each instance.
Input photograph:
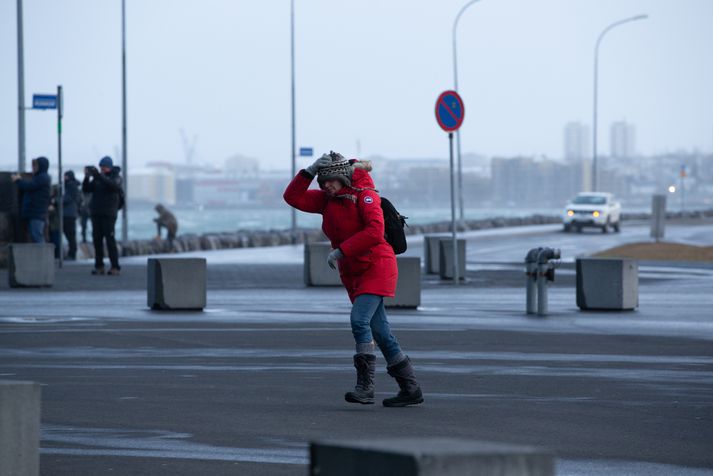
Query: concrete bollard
(316, 270)
(658, 217)
(431, 252)
(445, 259)
(19, 428)
(427, 457)
(176, 283)
(607, 283)
(408, 288)
(31, 264)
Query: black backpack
(394, 223)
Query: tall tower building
(622, 140)
(576, 141)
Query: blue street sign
(44, 101)
(306, 151)
(449, 111)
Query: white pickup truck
(592, 209)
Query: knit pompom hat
(340, 169)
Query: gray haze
(367, 70)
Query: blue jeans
(37, 230)
(369, 322)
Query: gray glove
(318, 164)
(333, 257)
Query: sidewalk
(244, 386)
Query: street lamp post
(596, 80)
(455, 88)
(20, 92)
(124, 165)
(292, 85)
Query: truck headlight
(595, 214)
(570, 213)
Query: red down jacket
(354, 223)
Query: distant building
(241, 166)
(526, 182)
(152, 185)
(217, 190)
(622, 140)
(576, 142)
(513, 180)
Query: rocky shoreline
(253, 239)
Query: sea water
(215, 220)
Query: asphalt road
(244, 386)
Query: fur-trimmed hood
(360, 177)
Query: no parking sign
(449, 111)
(449, 115)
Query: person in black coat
(36, 198)
(71, 204)
(105, 185)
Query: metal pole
(594, 118)
(60, 205)
(596, 80)
(454, 237)
(124, 164)
(20, 92)
(292, 86)
(455, 84)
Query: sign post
(44, 102)
(449, 115)
(60, 178)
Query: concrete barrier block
(408, 287)
(432, 253)
(19, 428)
(176, 283)
(445, 260)
(607, 283)
(31, 264)
(427, 457)
(316, 270)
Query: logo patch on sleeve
(368, 199)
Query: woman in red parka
(353, 221)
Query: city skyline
(215, 72)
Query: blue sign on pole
(306, 151)
(44, 101)
(449, 111)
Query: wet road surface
(244, 386)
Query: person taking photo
(105, 185)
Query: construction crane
(189, 146)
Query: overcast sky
(367, 70)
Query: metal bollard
(539, 269)
(531, 279)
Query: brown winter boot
(409, 391)
(363, 393)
